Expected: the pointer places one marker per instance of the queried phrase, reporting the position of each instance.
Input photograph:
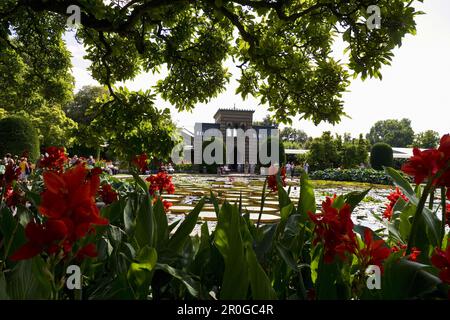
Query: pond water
(192, 188)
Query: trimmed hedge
(18, 136)
(381, 155)
(352, 175)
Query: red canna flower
(393, 198)
(89, 250)
(41, 237)
(165, 203)
(414, 254)
(441, 260)
(160, 182)
(68, 204)
(272, 180)
(54, 159)
(334, 229)
(14, 198)
(423, 164)
(11, 174)
(141, 162)
(374, 252)
(444, 147)
(108, 194)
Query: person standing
(306, 167)
(91, 161)
(288, 168)
(23, 165)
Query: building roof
(183, 130)
(296, 151)
(403, 153)
(233, 109)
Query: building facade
(228, 122)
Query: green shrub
(324, 153)
(398, 163)
(352, 175)
(350, 156)
(18, 136)
(186, 167)
(381, 155)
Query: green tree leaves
(396, 133)
(283, 52)
(131, 124)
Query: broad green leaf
(285, 212)
(401, 182)
(215, 203)
(128, 216)
(326, 282)
(286, 255)
(399, 207)
(405, 279)
(431, 222)
(145, 231)
(228, 241)
(188, 281)
(141, 271)
(29, 280)
(140, 182)
(114, 212)
(394, 233)
(283, 197)
(339, 202)
(3, 287)
(404, 226)
(361, 229)
(307, 201)
(177, 241)
(162, 226)
(204, 237)
(354, 198)
(12, 231)
(259, 282)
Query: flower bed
(354, 175)
(129, 250)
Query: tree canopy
(35, 67)
(333, 152)
(267, 121)
(396, 133)
(428, 139)
(282, 47)
(293, 135)
(130, 124)
(84, 99)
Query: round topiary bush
(381, 155)
(18, 137)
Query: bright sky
(415, 86)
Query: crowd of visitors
(108, 166)
(25, 165)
